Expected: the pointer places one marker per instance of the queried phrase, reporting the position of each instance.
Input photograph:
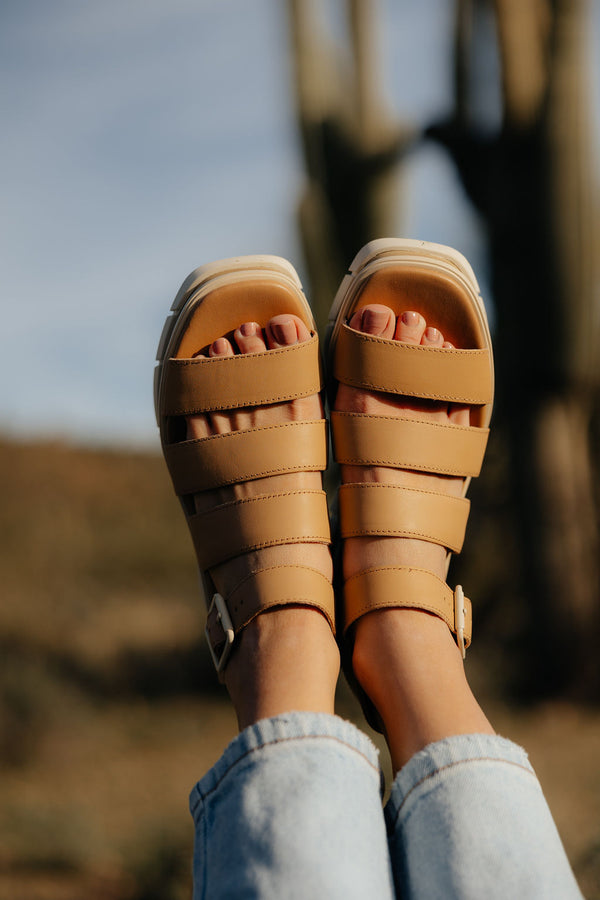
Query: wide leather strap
(248, 379)
(268, 588)
(228, 530)
(378, 364)
(403, 443)
(237, 456)
(406, 588)
(391, 510)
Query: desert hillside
(110, 711)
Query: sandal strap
(267, 520)
(403, 443)
(393, 510)
(205, 463)
(248, 379)
(407, 588)
(266, 589)
(379, 364)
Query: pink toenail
(432, 334)
(249, 329)
(410, 319)
(285, 332)
(375, 320)
(220, 346)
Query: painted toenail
(432, 334)
(375, 320)
(410, 319)
(220, 346)
(249, 329)
(285, 332)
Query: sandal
(212, 302)
(438, 283)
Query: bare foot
(405, 660)
(286, 659)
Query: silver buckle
(226, 624)
(459, 618)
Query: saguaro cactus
(349, 141)
(534, 184)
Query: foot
(405, 660)
(286, 659)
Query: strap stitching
(258, 497)
(258, 428)
(430, 536)
(204, 360)
(306, 346)
(467, 429)
(427, 607)
(242, 477)
(280, 398)
(352, 335)
(412, 348)
(251, 575)
(277, 542)
(408, 464)
(441, 584)
(399, 569)
(323, 607)
(426, 395)
(372, 485)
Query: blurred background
(142, 139)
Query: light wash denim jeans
(293, 810)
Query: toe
(220, 347)
(374, 319)
(432, 337)
(410, 327)
(458, 415)
(285, 330)
(249, 338)
(203, 426)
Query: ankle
(287, 661)
(399, 646)
(411, 669)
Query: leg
(407, 660)
(286, 658)
(466, 816)
(293, 807)
(288, 793)
(467, 819)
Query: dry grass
(109, 711)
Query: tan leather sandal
(212, 302)
(439, 283)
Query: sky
(143, 138)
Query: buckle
(459, 618)
(226, 624)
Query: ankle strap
(403, 587)
(262, 590)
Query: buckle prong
(224, 620)
(459, 618)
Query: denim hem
(432, 762)
(288, 727)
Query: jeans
(293, 810)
